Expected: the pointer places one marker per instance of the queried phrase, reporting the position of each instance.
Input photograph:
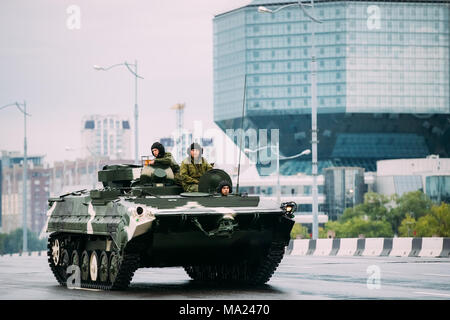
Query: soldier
(192, 168)
(164, 159)
(224, 188)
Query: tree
(299, 231)
(13, 242)
(416, 204)
(437, 223)
(2, 243)
(375, 206)
(352, 228)
(407, 226)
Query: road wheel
(93, 266)
(104, 267)
(114, 265)
(75, 260)
(84, 266)
(56, 252)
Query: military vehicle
(141, 218)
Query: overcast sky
(47, 61)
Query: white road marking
(436, 274)
(433, 294)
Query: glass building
(344, 188)
(438, 188)
(382, 78)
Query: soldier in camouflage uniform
(165, 159)
(192, 168)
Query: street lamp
(304, 152)
(25, 169)
(315, 205)
(136, 76)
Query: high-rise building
(107, 136)
(382, 78)
(38, 191)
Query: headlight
(289, 208)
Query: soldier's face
(195, 153)
(225, 190)
(155, 152)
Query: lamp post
(315, 206)
(136, 76)
(25, 169)
(304, 152)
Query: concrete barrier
(416, 246)
(401, 247)
(387, 247)
(373, 247)
(335, 247)
(382, 247)
(348, 247)
(445, 253)
(431, 247)
(360, 246)
(289, 247)
(299, 247)
(323, 247)
(311, 248)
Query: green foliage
(407, 226)
(356, 226)
(299, 232)
(437, 223)
(375, 206)
(13, 242)
(416, 204)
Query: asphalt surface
(297, 278)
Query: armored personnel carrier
(141, 218)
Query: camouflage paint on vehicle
(131, 224)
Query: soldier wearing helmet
(193, 167)
(164, 159)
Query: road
(297, 278)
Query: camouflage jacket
(167, 161)
(191, 172)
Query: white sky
(45, 63)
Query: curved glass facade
(382, 69)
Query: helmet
(160, 148)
